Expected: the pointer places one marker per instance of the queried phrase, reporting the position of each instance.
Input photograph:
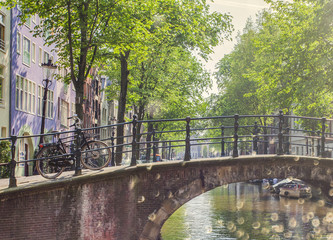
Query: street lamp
(48, 72)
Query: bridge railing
(178, 139)
(277, 136)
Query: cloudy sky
(240, 10)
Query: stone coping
(29, 183)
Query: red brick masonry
(131, 203)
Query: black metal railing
(2, 44)
(183, 139)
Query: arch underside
(311, 170)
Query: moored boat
(295, 190)
(276, 187)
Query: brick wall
(133, 203)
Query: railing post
(187, 141)
(222, 142)
(323, 129)
(169, 150)
(280, 134)
(287, 146)
(154, 146)
(112, 147)
(235, 150)
(265, 139)
(78, 169)
(255, 139)
(12, 164)
(312, 147)
(134, 122)
(318, 145)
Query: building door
(26, 157)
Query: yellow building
(4, 71)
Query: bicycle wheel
(95, 155)
(48, 166)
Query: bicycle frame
(54, 157)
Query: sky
(240, 10)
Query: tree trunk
(164, 151)
(140, 115)
(149, 138)
(122, 105)
(79, 100)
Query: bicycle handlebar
(73, 117)
(77, 121)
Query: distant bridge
(133, 202)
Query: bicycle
(54, 158)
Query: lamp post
(48, 72)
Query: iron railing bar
(258, 116)
(301, 117)
(45, 134)
(212, 138)
(127, 136)
(119, 145)
(107, 126)
(170, 131)
(162, 120)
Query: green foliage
(4, 152)
(78, 30)
(4, 158)
(165, 79)
(158, 38)
(283, 61)
(292, 65)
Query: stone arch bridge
(131, 203)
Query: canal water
(249, 211)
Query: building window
(2, 80)
(64, 111)
(25, 98)
(3, 132)
(19, 92)
(33, 52)
(49, 104)
(40, 56)
(2, 31)
(104, 115)
(46, 57)
(73, 109)
(28, 22)
(39, 100)
(18, 42)
(26, 51)
(31, 97)
(33, 18)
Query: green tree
(280, 62)
(79, 29)
(238, 90)
(292, 64)
(167, 24)
(4, 157)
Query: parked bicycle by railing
(54, 158)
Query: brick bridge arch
(131, 203)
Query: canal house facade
(5, 18)
(27, 90)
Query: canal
(250, 211)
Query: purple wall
(24, 121)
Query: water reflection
(249, 211)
